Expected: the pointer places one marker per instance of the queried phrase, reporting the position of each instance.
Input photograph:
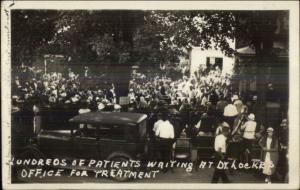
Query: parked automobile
(117, 136)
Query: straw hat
(270, 129)
(234, 97)
(117, 107)
(101, 106)
(74, 99)
(105, 101)
(225, 125)
(251, 116)
(283, 123)
(63, 94)
(67, 101)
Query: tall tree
(258, 29)
(31, 32)
(100, 38)
(119, 39)
(174, 33)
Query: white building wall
(198, 57)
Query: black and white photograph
(157, 95)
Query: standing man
(158, 122)
(230, 113)
(165, 135)
(155, 149)
(220, 155)
(86, 71)
(249, 129)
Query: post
(45, 65)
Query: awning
(246, 50)
(279, 47)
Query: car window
(115, 132)
(85, 131)
(131, 133)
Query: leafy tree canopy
(138, 37)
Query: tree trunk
(260, 81)
(120, 78)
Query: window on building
(214, 62)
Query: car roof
(113, 118)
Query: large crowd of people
(204, 105)
(56, 88)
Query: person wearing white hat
(105, 101)
(249, 134)
(117, 108)
(101, 106)
(67, 102)
(239, 104)
(74, 99)
(269, 146)
(84, 108)
(230, 113)
(234, 98)
(63, 94)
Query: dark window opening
(213, 62)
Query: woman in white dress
(269, 145)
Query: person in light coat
(269, 153)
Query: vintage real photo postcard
(150, 94)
